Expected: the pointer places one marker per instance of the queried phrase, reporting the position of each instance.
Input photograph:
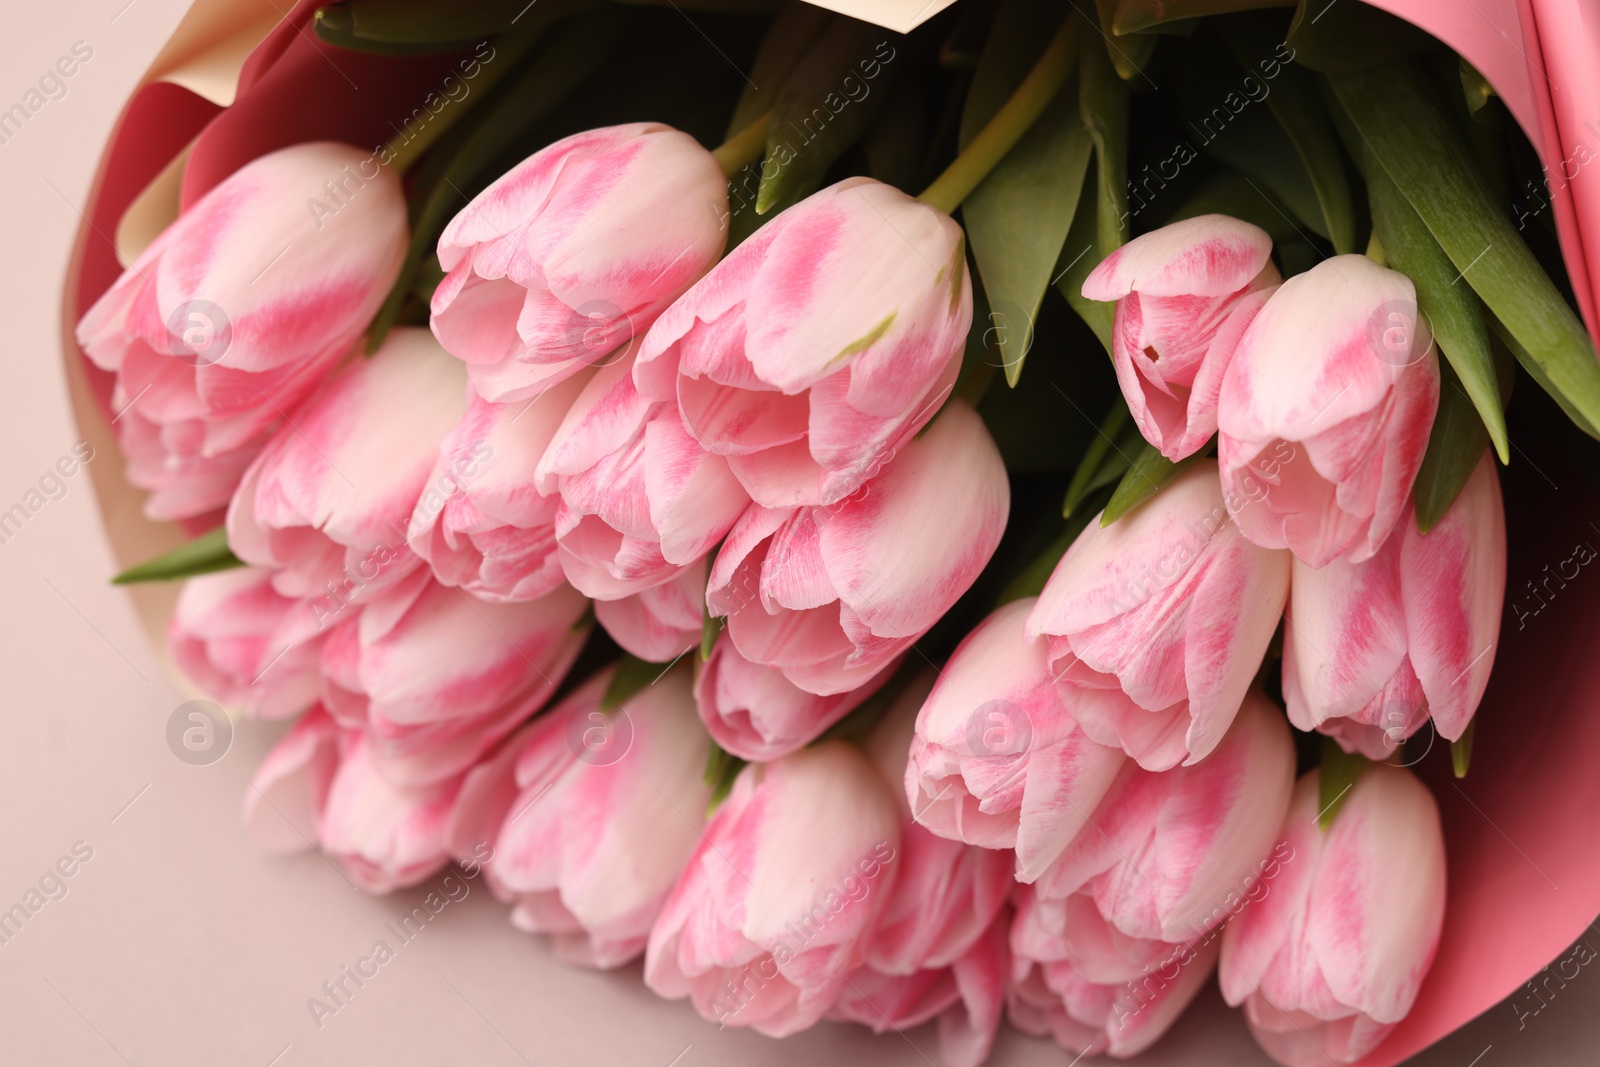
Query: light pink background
(178, 943)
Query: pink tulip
(998, 760)
(658, 624)
(436, 678)
(1051, 997)
(598, 834)
(965, 997)
(289, 790)
(327, 502)
(757, 714)
(1158, 622)
(573, 251)
(830, 596)
(1172, 853)
(783, 890)
(1184, 294)
(237, 311)
(386, 836)
(481, 523)
(814, 352)
(1329, 961)
(641, 503)
(1373, 649)
(947, 893)
(1326, 410)
(240, 642)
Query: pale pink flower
(482, 524)
(238, 310)
(608, 808)
(1326, 410)
(326, 503)
(781, 894)
(1329, 961)
(573, 251)
(436, 678)
(830, 596)
(1157, 623)
(998, 759)
(284, 802)
(1184, 294)
(244, 645)
(1373, 649)
(820, 345)
(756, 713)
(641, 502)
(660, 623)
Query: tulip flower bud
(573, 251)
(598, 833)
(658, 624)
(1326, 411)
(830, 596)
(481, 523)
(816, 350)
(1373, 649)
(641, 503)
(436, 678)
(236, 639)
(782, 892)
(1158, 622)
(1051, 997)
(1329, 961)
(1184, 294)
(386, 836)
(327, 502)
(236, 312)
(965, 998)
(289, 790)
(757, 714)
(997, 759)
(1172, 854)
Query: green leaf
(1336, 35)
(1295, 101)
(1135, 16)
(409, 27)
(1241, 131)
(1021, 30)
(1089, 474)
(815, 117)
(1455, 445)
(1228, 192)
(1340, 770)
(796, 29)
(1537, 373)
(1017, 221)
(1080, 255)
(1128, 55)
(1103, 103)
(1423, 154)
(722, 770)
(571, 54)
(1475, 87)
(632, 676)
(1461, 750)
(710, 629)
(1150, 473)
(206, 553)
(1449, 307)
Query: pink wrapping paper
(1524, 877)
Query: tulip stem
(1375, 249)
(412, 141)
(1003, 131)
(744, 147)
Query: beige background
(178, 943)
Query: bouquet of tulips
(993, 521)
